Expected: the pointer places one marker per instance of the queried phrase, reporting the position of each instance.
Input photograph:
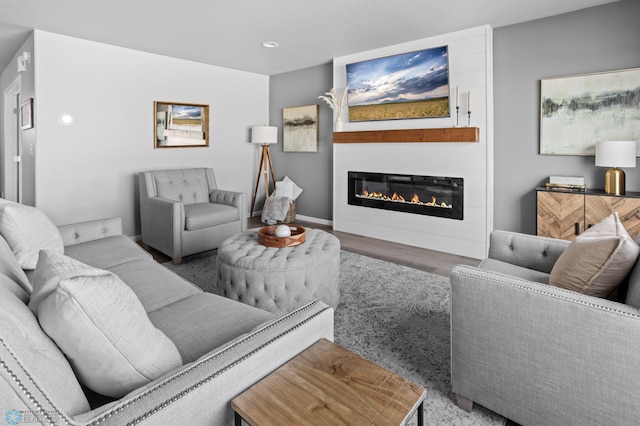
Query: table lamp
(615, 154)
(265, 136)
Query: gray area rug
(395, 316)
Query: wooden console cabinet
(565, 215)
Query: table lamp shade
(616, 154)
(264, 135)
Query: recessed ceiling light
(270, 44)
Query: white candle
(469, 100)
(457, 97)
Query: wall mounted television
(404, 86)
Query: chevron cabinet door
(597, 207)
(560, 214)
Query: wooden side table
(329, 385)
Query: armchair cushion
(598, 261)
(100, 325)
(514, 270)
(204, 215)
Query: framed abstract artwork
(179, 125)
(300, 128)
(578, 111)
(408, 85)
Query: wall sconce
(65, 119)
(615, 154)
(23, 60)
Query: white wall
(470, 68)
(12, 188)
(89, 170)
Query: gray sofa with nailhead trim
(538, 354)
(226, 346)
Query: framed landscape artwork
(179, 125)
(578, 111)
(408, 85)
(300, 129)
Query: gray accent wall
(312, 171)
(602, 38)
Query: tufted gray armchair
(539, 354)
(182, 211)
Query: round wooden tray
(267, 236)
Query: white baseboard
(314, 220)
(301, 217)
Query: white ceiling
(229, 33)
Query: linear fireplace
(427, 195)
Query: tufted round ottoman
(279, 279)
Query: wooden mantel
(447, 134)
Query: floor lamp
(265, 136)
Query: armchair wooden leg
(464, 403)
(176, 260)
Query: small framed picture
(26, 114)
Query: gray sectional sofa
(223, 346)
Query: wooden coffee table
(329, 385)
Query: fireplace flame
(415, 199)
(396, 197)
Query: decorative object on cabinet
(615, 154)
(265, 136)
(566, 214)
(576, 111)
(573, 183)
(337, 100)
(179, 125)
(407, 85)
(26, 114)
(300, 129)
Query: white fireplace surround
(470, 68)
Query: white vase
(338, 126)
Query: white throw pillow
(28, 230)
(100, 325)
(283, 189)
(296, 189)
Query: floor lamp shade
(615, 154)
(264, 135)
